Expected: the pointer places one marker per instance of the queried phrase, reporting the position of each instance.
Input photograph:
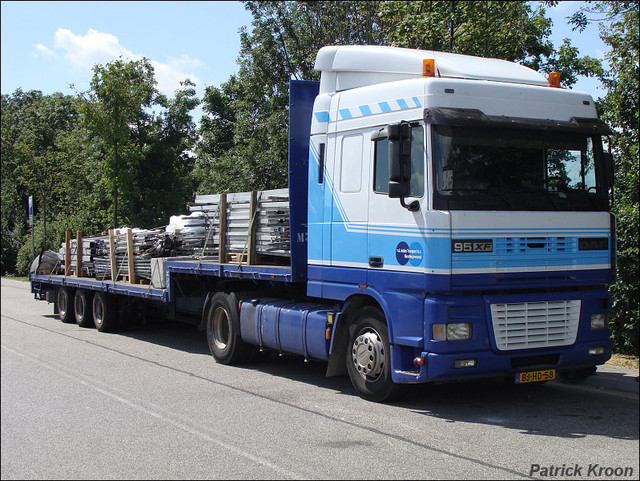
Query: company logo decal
(409, 254)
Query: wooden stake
(130, 257)
(112, 256)
(67, 252)
(222, 235)
(79, 253)
(253, 227)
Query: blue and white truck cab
(467, 199)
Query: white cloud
(94, 47)
(184, 62)
(82, 52)
(41, 50)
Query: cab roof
(345, 67)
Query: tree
(244, 132)
(115, 110)
(506, 30)
(32, 128)
(619, 29)
(164, 178)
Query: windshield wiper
(502, 196)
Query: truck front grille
(530, 325)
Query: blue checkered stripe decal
(370, 109)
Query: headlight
(599, 321)
(452, 332)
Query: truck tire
(223, 331)
(105, 312)
(368, 356)
(64, 302)
(83, 308)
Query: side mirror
(399, 136)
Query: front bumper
(441, 367)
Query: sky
(48, 45)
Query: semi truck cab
(466, 201)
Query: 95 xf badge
(459, 246)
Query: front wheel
(368, 356)
(223, 331)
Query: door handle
(375, 261)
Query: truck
(448, 221)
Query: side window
(381, 164)
(351, 164)
(381, 167)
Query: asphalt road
(151, 403)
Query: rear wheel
(368, 356)
(83, 308)
(223, 331)
(105, 312)
(65, 305)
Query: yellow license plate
(535, 376)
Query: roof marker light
(428, 67)
(554, 79)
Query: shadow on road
(537, 410)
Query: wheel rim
(367, 354)
(79, 306)
(221, 328)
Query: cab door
(395, 234)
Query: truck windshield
(516, 169)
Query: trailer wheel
(65, 304)
(105, 312)
(368, 356)
(83, 308)
(223, 331)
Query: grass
(623, 360)
(16, 278)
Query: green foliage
(164, 182)
(33, 128)
(497, 29)
(62, 150)
(55, 235)
(114, 111)
(244, 132)
(620, 108)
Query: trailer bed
(182, 266)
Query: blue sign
(31, 210)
